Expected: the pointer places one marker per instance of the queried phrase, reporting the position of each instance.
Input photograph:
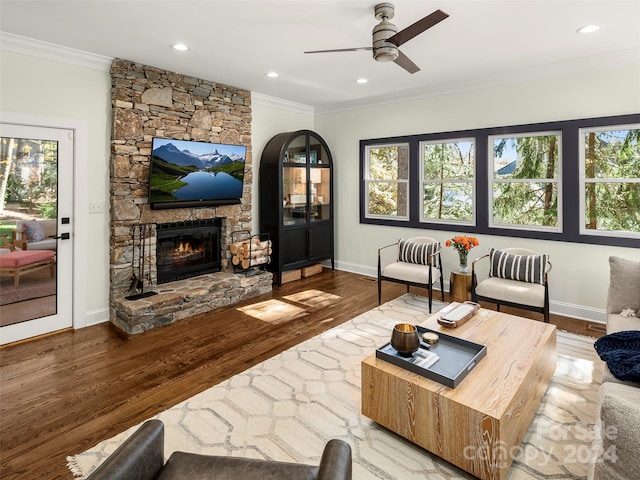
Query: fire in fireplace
(187, 249)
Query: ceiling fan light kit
(387, 38)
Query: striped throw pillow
(524, 268)
(411, 252)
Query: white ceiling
(236, 42)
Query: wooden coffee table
(479, 425)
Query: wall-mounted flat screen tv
(192, 174)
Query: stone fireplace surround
(149, 102)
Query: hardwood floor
(64, 393)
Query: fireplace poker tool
(138, 282)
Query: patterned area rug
(287, 407)
(36, 284)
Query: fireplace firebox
(187, 249)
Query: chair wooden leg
(497, 307)
(430, 298)
(379, 290)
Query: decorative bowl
(405, 339)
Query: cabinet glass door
(294, 188)
(317, 153)
(320, 194)
(297, 151)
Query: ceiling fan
(387, 38)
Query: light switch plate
(96, 207)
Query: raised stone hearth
(186, 298)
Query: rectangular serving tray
(457, 316)
(457, 358)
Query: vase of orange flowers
(462, 244)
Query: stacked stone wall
(150, 102)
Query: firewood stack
(250, 253)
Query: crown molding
(37, 48)
(621, 58)
(49, 51)
(282, 104)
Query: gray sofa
(616, 446)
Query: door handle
(64, 236)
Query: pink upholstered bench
(18, 263)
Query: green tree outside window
(448, 171)
(611, 168)
(387, 181)
(29, 175)
(525, 183)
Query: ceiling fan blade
(417, 28)
(405, 63)
(358, 49)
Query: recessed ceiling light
(588, 29)
(362, 80)
(181, 47)
(272, 74)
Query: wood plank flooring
(64, 393)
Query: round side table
(460, 286)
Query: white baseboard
(354, 268)
(578, 311)
(95, 317)
(559, 308)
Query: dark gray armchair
(141, 457)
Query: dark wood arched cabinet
(296, 200)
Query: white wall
(271, 116)
(579, 279)
(76, 95)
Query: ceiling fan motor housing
(384, 51)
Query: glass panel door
(294, 187)
(320, 193)
(35, 207)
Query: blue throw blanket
(621, 351)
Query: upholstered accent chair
(518, 277)
(35, 234)
(141, 457)
(412, 262)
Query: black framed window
(387, 181)
(551, 199)
(524, 183)
(610, 180)
(447, 181)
